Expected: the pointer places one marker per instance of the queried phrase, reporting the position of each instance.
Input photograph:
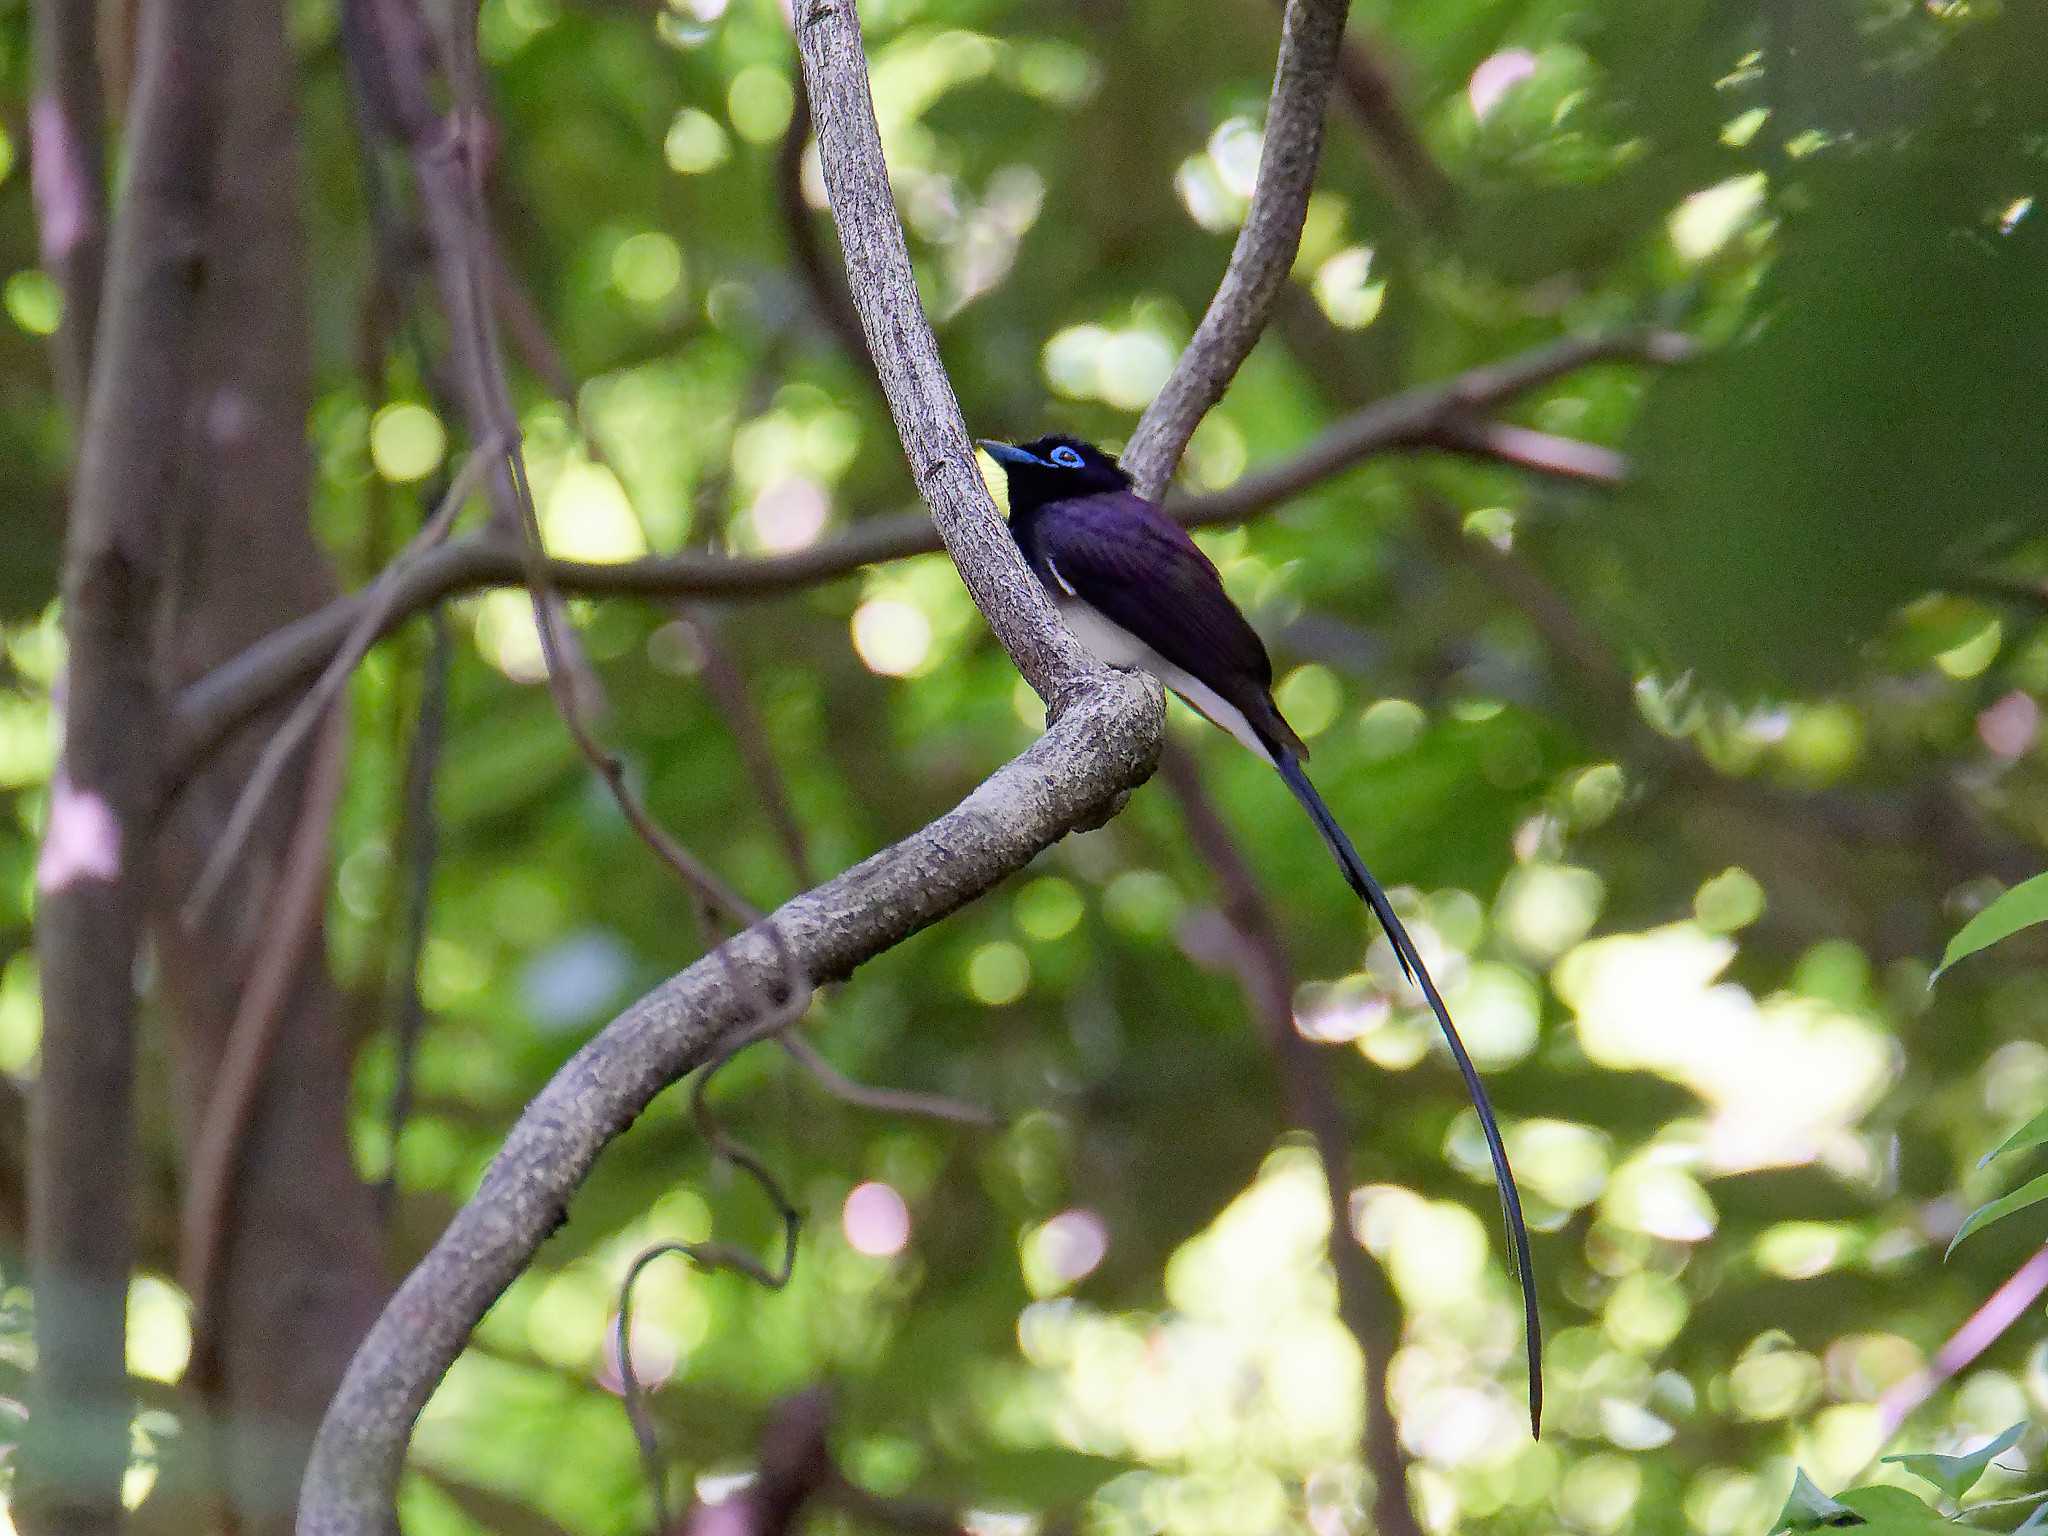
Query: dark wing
(1139, 569)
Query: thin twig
(728, 689)
(705, 1256)
(769, 1018)
(277, 752)
(886, 1101)
(473, 318)
(297, 907)
(418, 847)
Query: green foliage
(2021, 907)
(1785, 508)
(2031, 1193)
(1807, 1508)
(1882, 1510)
(1685, 932)
(1955, 1476)
(2033, 1134)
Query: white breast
(1115, 646)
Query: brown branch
(727, 686)
(794, 1469)
(215, 705)
(1365, 1301)
(67, 164)
(1403, 159)
(298, 905)
(1311, 34)
(1544, 453)
(419, 846)
(392, 51)
(95, 852)
(885, 1101)
(323, 696)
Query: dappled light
(1625, 446)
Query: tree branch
(1311, 35)
(95, 852)
(1419, 418)
(906, 358)
(1099, 748)
(1402, 158)
(299, 901)
(1103, 740)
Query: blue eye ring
(1065, 457)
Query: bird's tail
(1412, 967)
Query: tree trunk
(292, 1268)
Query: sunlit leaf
(1957, 1475)
(2032, 1192)
(2021, 907)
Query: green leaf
(1896, 1512)
(2030, 1193)
(2032, 1134)
(1957, 1475)
(2021, 907)
(1807, 1508)
(2036, 1521)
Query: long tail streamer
(1412, 967)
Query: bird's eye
(1066, 458)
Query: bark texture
(288, 1274)
(95, 852)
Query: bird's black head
(1055, 468)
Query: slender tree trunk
(291, 1262)
(96, 844)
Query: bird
(1138, 592)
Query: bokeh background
(1690, 718)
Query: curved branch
(1104, 739)
(1103, 745)
(1425, 417)
(1311, 36)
